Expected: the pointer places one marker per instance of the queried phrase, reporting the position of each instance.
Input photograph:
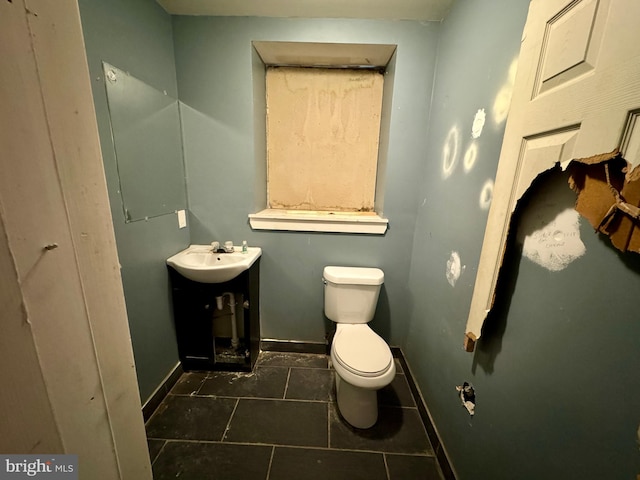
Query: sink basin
(200, 264)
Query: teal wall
(136, 36)
(214, 64)
(555, 371)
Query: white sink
(200, 264)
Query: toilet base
(358, 406)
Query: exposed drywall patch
(454, 268)
(478, 123)
(450, 151)
(553, 244)
(503, 98)
(470, 157)
(486, 195)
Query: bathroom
(533, 419)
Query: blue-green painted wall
(555, 372)
(214, 65)
(136, 36)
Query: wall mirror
(146, 133)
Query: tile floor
(280, 422)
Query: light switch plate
(182, 219)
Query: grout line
(386, 467)
(283, 445)
(261, 398)
(224, 434)
(286, 385)
(301, 367)
(328, 426)
(159, 452)
(204, 380)
(273, 451)
(406, 373)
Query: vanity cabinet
(194, 304)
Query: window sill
(315, 221)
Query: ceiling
(432, 10)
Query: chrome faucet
(217, 248)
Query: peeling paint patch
(486, 195)
(478, 123)
(556, 244)
(470, 157)
(454, 268)
(450, 151)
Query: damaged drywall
(608, 195)
(467, 396)
(575, 94)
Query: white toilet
(361, 358)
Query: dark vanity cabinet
(194, 305)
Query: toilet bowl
(361, 358)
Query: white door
(576, 90)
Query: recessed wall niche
(378, 57)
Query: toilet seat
(361, 351)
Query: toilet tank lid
(354, 275)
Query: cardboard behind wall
(608, 192)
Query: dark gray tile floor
(281, 422)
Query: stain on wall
(502, 100)
(470, 157)
(450, 151)
(454, 268)
(486, 195)
(478, 123)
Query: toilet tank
(351, 293)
